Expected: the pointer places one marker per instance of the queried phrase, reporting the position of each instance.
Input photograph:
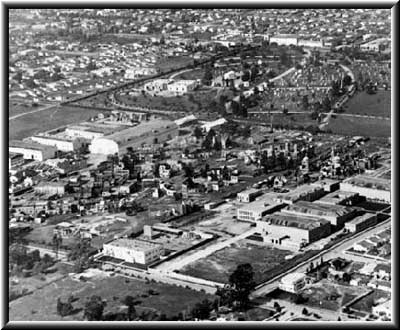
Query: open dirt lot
(330, 296)
(34, 123)
(218, 266)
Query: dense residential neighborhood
(200, 165)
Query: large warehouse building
(373, 188)
(336, 214)
(146, 133)
(293, 231)
(133, 250)
(32, 150)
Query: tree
(347, 80)
(198, 133)
(202, 310)
(94, 308)
(131, 302)
(56, 242)
(305, 102)
(305, 311)
(80, 254)
(64, 309)
(208, 76)
(242, 280)
(346, 277)
(277, 307)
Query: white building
(31, 150)
(66, 144)
(284, 39)
(384, 309)
(133, 250)
(133, 73)
(248, 195)
(372, 188)
(256, 210)
(293, 282)
(361, 222)
(211, 124)
(180, 87)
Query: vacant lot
(34, 123)
(190, 75)
(218, 266)
(287, 121)
(16, 107)
(352, 126)
(41, 305)
(330, 296)
(378, 104)
(365, 304)
(173, 62)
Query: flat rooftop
(317, 209)
(296, 221)
(361, 218)
(298, 192)
(370, 182)
(260, 205)
(29, 145)
(135, 244)
(143, 129)
(336, 197)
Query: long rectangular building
(373, 188)
(134, 250)
(293, 230)
(336, 214)
(361, 222)
(32, 150)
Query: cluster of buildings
(309, 212)
(173, 87)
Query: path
(34, 111)
(185, 260)
(178, 73)
(325, 120)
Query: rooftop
(136, 244)
(361, 218)
(370, 182)
(289, 220)
(29, 145)
(318, 209)
(292, 277)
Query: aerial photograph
(194, 164)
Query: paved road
(362, 116)
(187, 259)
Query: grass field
(365, 304)
(17, 107)
(41, 305)
(34, 123)
(218, 266)
(352, 126)
(370, 104)
(189, 75)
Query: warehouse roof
(289, 220)
(316, 209)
